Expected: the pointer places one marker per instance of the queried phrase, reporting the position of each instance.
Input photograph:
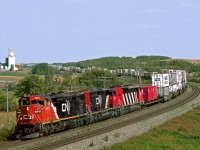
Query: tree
(30, 85)
(52, 83)
(71, 84)
(44, 69)
(90, 79)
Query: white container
(173, 78)
(160, 80)
(163, 91)
(180, 86)
(174, 88)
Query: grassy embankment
(180, 133)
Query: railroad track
(78, 135)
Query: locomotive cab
(32, 113)
(29, 108)
(114, 98)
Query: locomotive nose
(23, 114)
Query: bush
(7, 133)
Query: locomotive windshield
(26, 101)
(41, 102)
(111, 92)
(23, 102)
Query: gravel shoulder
(121, 135)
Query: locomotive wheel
(99, 117)
(125, 111)
(116, 113)
(95, 118)
(46, 130)
(57, 128)
(92, 119)
(81, 122)
(119, 113)
(87, 121)
(74, 123)
(113, 114)
(52, 128)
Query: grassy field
(13, 73)
(12, 76)
(181, 133)
(3, 116)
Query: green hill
(116, 62)
(148, 63)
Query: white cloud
(156, 11)
(187, 4)
(78, 1)
(150, 26)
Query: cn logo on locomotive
(66, 107)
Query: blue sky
(73, 30)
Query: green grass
(11, 73)
(181, 133)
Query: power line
(104, 79)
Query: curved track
(118, 123)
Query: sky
(73, 30)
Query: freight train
(45, 114)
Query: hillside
(148, 63)
(193, 61)
(116, 62)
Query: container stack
(169, 81)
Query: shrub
(7, 133)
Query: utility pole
(138, 75)
(104, 80)
(7, 104)
(7, 108)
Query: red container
(149, 93)
(140, 95)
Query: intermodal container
(149, 93)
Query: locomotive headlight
(19, 111)
(38, 111)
